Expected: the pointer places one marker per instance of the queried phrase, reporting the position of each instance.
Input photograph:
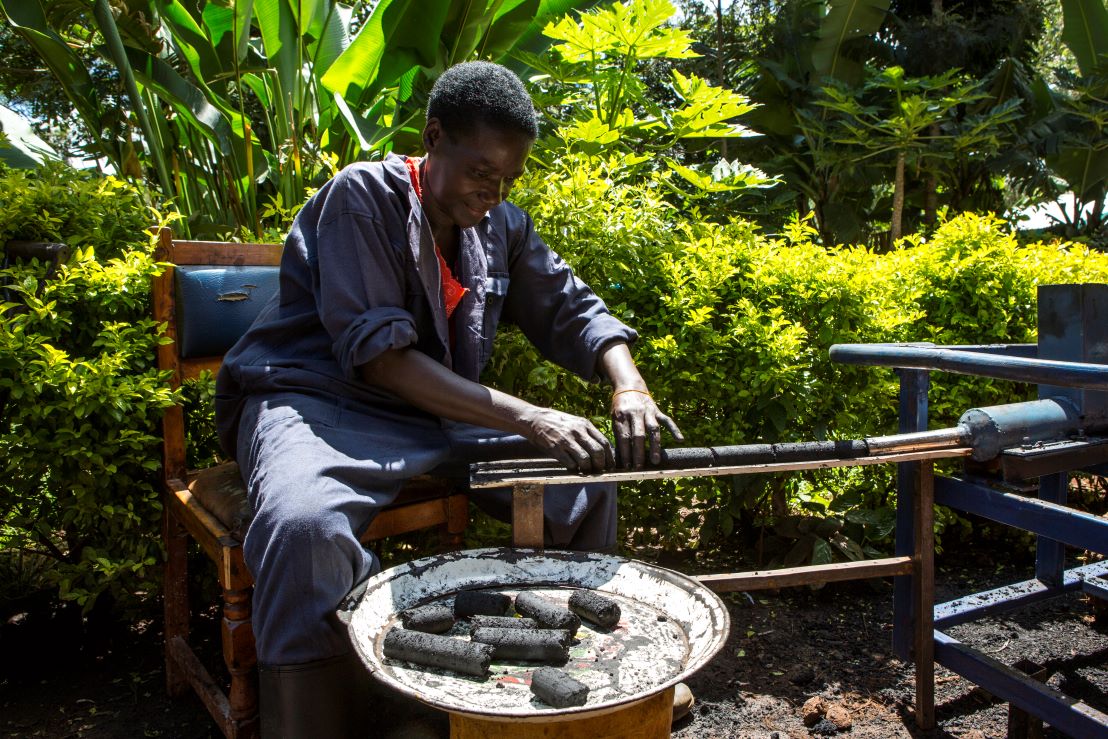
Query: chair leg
(175, 598)
(241, 658)
(457, 518)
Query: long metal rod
(694, 459)
(931, 357)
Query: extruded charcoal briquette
(479, 603)
(555, 688)
(537, 645)
(594, 607)
(549, 615)
(433, 619)
(502, 622)
(434, 650)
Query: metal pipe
(919, 441)
(999, 427)
(982, 363)
(987, 431)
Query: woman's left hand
(637, 422)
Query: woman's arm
(428, 385)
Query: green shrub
(80, 396)
(735, 331)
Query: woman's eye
(480, 175)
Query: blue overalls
(320, 450)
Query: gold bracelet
(632, 390)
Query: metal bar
(479, 481)
(698, 458)
(527, 520)
(931, 357)
(810, 575)
(1010, 597)
(1072, 454)
(925, 596)
(919, 440)
(1030, 351)
(1095, 586)
(913, 418)
(1074, 527)
(1062, 712)
(1050, 554)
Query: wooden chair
(206, 299)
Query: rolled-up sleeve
(559, 314)
(360, 273)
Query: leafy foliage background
(80, 397)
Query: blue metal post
(1050, 554)
(913, 417)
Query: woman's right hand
(572, 440)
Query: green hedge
(735, 331)
(80, 397)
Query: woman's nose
(496, 193)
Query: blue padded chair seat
(215, 305)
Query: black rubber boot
(327, 699)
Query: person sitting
(364, 371)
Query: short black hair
(482, 92)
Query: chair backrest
(207, 299)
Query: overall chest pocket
(496, 290)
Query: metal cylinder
(999, 427)
(919, 441)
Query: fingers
(573, 441)
(671, 427)
(623, 439)
(638, 441)
(638, 432)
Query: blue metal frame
(1054, 524)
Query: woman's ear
(432, 134)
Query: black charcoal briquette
(533, 645)
(480, 603)
(555, 688)
(502, 622)
(549, 615)
(594, 607)
(434, 650)
(434, 619)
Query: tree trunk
(719, 61)
(898, 201)
(931, 188)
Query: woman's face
(465, 175)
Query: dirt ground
(59, 678)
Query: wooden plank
(749, 469)
(810, 575)
(213, 537)
(201, 680)
(393, 521)
(527, 520)
(924, 617)
(191, 368)
(175, 596)
(216, 253)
